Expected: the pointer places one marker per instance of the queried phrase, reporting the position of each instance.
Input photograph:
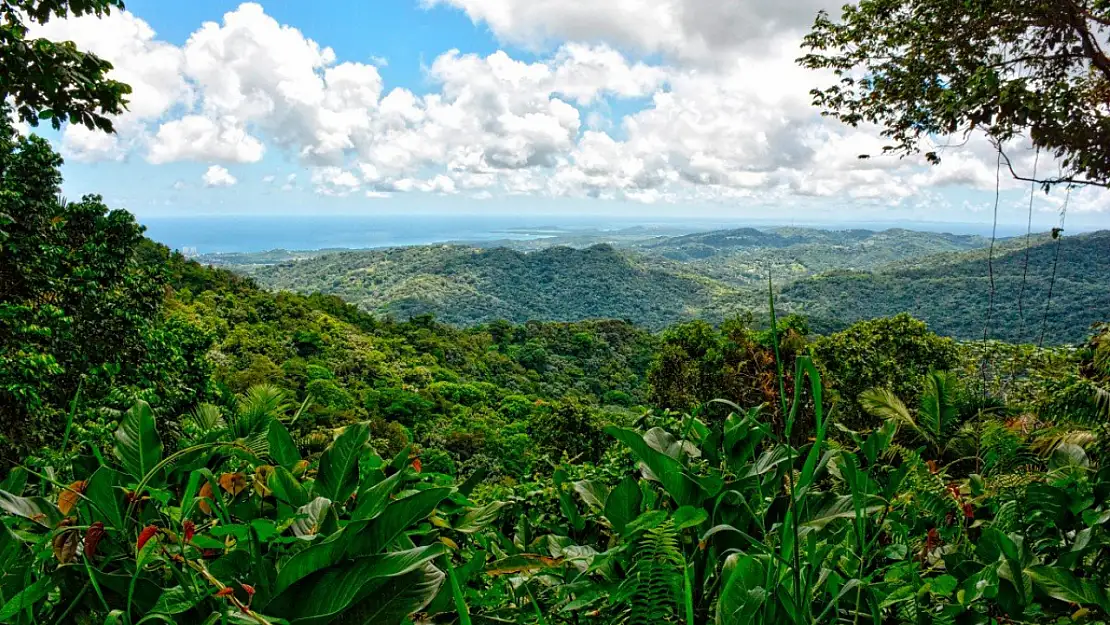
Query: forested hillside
(952, 292)
(181, 445)
(463, 285)
(834, 278)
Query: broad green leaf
(337, 478)
(282, 449)
(319, 555)
(478, 518)
(25, 598)
(287, 488)
(664, 442)
(840, 507)
(310, 516)
(15, 482)
(373, 500)
(37, 509)
(394, 601)
(623, 504)
(1061, 584)
(138, 447)
(983, 584)
(593, 493)
(646, 521)
(684, 489)
(943, 585)
(108, 499)
(177, 600)
(743, 591)
(689, 516)
(395, 519)
(11, 549)
(329, 592)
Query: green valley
(833, 277)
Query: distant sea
(237, 233)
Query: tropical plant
(217, 532)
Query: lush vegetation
(215, 452)
(833, 278)
(180, 445)
(464, 285)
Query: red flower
(226, 591)
(190, 530)
(248, 589)
(954, 490)
(416, 465)
(92, 538)
(969, 511)
(144, 536)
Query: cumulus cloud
(712, 108)
(217, 176)
(683, 29)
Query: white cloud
(725, 116)
(682, 29)
(200, 138)
(334, 181)
(269, 179)
(217, 176)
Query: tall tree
(75, 302)
(55, 80)
(927, 68)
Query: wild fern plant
(653, 589)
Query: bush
(437, 461)
(891, 352)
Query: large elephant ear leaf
(138, 447)
(282, 449)
(338, 475)
(37, 509)
(670, 472)
(333, 590)
(398, 598)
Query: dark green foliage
(893, 353)
(697, 363)
(465, 286)
(569, 429)
(54, 80)
(951, 292)
(832, 278)
(80, 306)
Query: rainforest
(785, 426)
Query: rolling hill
(834, 278)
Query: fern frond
(654, 584)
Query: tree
(895, 353)
(54, 80)
(77, 307)
(1008, 68)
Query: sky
(622, 107)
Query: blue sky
(654, 107)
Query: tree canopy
(55, 80)
(929, 68)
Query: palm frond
(207, 418)
(261, 404)
(938, 405)
(884, 404)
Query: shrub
(893, 353)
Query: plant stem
(456, 592)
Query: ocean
(239, 233)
